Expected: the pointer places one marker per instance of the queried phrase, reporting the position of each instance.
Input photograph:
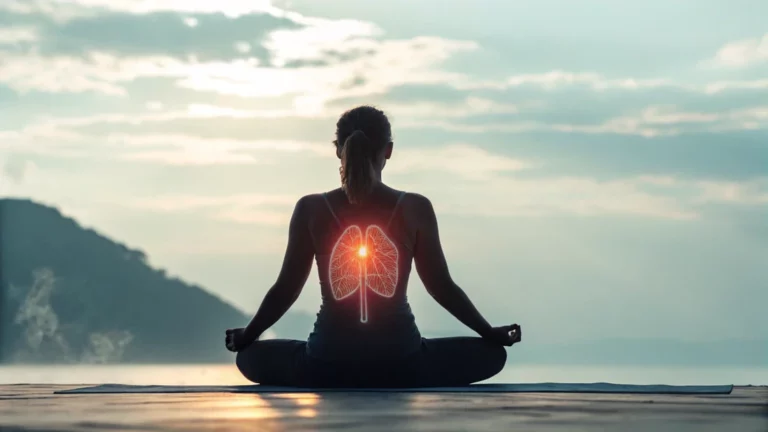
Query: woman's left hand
(236, 340)
(506, 335)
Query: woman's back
(364, 238)
(364, 253)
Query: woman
(364, 237)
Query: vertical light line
(364, 284)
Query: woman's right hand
(505, 335)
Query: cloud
(204, 37)
(97, 72)
(383, 66)
(569, 196)
(129, 137)
(117, 43)
(314, 62)
(413, 114)
(42, 139)
(753, 192)
(155, 114)
(318, 39)
(56, 135)
(191, 157)
(195, 202)
(387, 64)
(742, 53)
(652, 121)
(18, 34)
(191, 150)
(57, 10)
(351, 67)
(214, 111)
(408, 115)
(80, 8)
(554, 79)
(261, 209)
(721, 86)
(488, 185)
(64, 137)
(463, 160)
(557, 82)
(257, 217)
(667, 120)
(642, 196)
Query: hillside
(71, 294)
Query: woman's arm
(297, 264)
(433, 271)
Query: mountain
(70, 294)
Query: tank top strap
(394, 211)
(328, 203)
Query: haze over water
(228, 375)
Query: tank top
(364, 262)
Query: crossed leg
(440, 362)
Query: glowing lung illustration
(346, 265)
(363, 263)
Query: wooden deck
(35, 407)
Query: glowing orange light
(362, 252)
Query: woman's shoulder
(415, 199)
(416, 210)
(415, 204)
(311, 201)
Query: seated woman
(364, 237)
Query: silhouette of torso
(364, 254)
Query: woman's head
(363, 143)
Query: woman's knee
(494, 358)
(246, 363)
(272, 362)
(497, 358)
(490, 359)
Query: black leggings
(442, 362)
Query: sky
(599, 168)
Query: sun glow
(362, 252)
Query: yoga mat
(476, 388)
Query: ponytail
(357, 172)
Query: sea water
(228, 375)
